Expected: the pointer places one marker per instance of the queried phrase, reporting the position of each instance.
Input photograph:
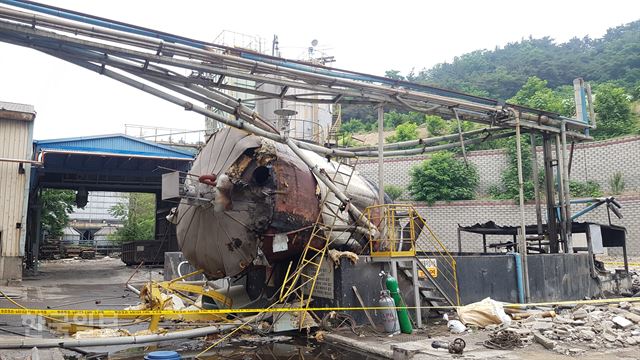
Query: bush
(404, 132)
(394, 191)
(353, 126)
(443, 177)
(584, 189)
(616, 183)
(346, 140)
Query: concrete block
(622, 322)
(543, 340)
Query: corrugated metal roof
(117, 144)
(24, 108)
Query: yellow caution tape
(117, 313)
(576, 302)
(621, 263)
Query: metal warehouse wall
(16, 137)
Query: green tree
(56, 207)
(404, 132)
(353, 126)
(589, 188)
(535, 94)
(436, 126)
(138, 218)
(613, 108)
(443, 177)
(394, 118)
(502, 71)
(393, 74)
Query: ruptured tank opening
(261, 175)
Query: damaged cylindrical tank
(252, 201)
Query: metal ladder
(305, 275)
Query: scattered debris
(509, 338)
(455, 326)
(574, 330)
(543, 340)
(455, 347)
(100, 333)
(483, 313)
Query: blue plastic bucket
(162, 355)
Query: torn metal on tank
(256, 198)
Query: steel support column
(552, 224)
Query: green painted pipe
(403, 314)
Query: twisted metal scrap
(503, 340)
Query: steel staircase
(442, 288)
(410, 242)
(300, 282)
(336, 123)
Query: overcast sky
(366, 36)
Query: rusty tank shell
(263, 203)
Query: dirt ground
(69, 284)
(99, 284)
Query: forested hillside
(501, 72)
(611, 64)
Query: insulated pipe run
(28, 343)
(213, 98)
(522, 246)
(265, 64)
(236, 123)
(191, 65)
(189, 46)
(425, 150)
(565, 185)
(37, 163)
(425, 141)
(247, 126)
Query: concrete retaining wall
(444, 218)
(595, 161)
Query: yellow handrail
(390, 241)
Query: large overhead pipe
(28, 343)
(300, 77)
(424, 141)
(429, 149)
